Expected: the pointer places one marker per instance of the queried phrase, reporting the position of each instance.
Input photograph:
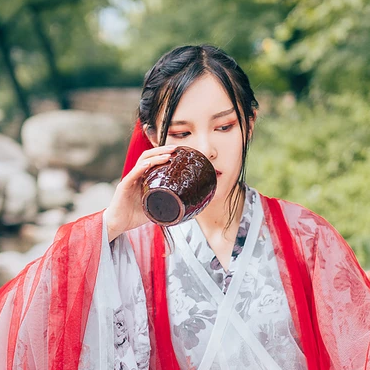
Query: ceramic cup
(179, 189)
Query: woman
(251, 283)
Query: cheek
(233, 146)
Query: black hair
(166, 82)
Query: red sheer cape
(300, 259)
(162, 356)
(43, 312)
(328, 292)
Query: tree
(319, 156)
(61, 51)
(238, 27)
(327, 42)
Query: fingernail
(146, 164)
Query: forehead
(204, 98)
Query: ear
(252, 121)
(151, 135)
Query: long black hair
(166, 82)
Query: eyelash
(225, 128)
(182, 135)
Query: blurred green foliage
(318, 154)
(308, 61)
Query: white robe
(214, 325)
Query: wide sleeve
(74, 307)
(341, 289)
(44, 310)
(117, 331)
(132, 311)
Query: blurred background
(70, 77)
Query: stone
(12, 160)
(12, 157)
(53, 188)
(52, 217)
(13, 262)
(89, 145)
(33, 234)
(37, 251)
(20, 199)
(93, 199)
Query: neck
(217, 214)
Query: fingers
(145, 164)
(166, 149)
(148, 159)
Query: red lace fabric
(151, 258)
(44, 310)
(327, 290)
(153, 270)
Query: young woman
(250, 283)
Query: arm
(44, 310)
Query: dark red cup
(179, 189)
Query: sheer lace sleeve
(44, 310)
(341, 289)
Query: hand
(125, 210)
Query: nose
(206, 147)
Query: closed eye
(179, 135)
(225, 128)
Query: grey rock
(90, 145)
(52, 217)
(12, 157)
(19, 199)
(53, 188)
(93, 199)
(13, 262)
(12, 161)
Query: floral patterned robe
(83, 304)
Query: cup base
(163, 207)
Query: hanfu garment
(85, 304)
(239, 319)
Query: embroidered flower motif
(346, 279)
(188, 329)
(120, 330)
(189, 364)
(215, 264)
(180, 302)
(261, 300)
(269, 301)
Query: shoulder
(312, 232)
(300, 218)
(315, 236)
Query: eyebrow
(223, 113)
(215, 116)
